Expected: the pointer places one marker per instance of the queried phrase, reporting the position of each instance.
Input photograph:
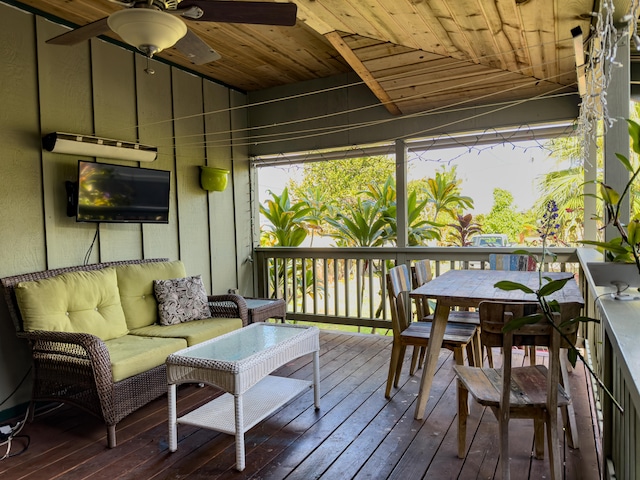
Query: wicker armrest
(72, 348)
(229, 306)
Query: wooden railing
(612, 349)
(345, 285)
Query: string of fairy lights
(604, 38)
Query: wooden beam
(343, 49)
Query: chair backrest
(423, 271)
(512, 262)
(493, 316)
(423, 274)
(398, 286)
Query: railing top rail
(565, 254)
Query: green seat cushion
(132, 354)
(195, 331)
(76, 302)
(136, 289)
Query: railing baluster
(347, 280)
(336, 287)
(333, 291)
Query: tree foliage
(343, 180)
(443, 193)
(287, 220)
(503, 217)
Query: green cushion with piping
(135, 282)
(77, 302)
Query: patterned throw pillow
(181, 300)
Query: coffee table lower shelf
(226, 412)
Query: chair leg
(423, 355)
(568, 412)
(477, 348)
(395, 355)
(400, 360)
(463, 413)
(531, 351)
(490, 357)
(503, 426)
(111, 436)
(458, 356)
(538, 437)
(414, 359)
(554, 445)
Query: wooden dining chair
(516, 392)
(519, 263)
(416, 334)
(422, 275)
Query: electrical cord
(88, 254)
(7, 437)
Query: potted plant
(548, 286)
(625, 248)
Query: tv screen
(117, 193)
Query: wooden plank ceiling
(414, 55)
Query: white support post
(401, 193)
(616, 139)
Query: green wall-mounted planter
(213, 179)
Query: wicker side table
(261, 309)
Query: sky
(514, 167)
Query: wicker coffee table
(240, 363)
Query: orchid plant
(626, 247)
(548, 286)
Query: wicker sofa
(115, 369)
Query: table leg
(433, 351)
(239, 413)
(173, 427)
(568, 412)
(316, 379)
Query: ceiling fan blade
(259, 13)
(81, 34)
(196, 49)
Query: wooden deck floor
(357, 434)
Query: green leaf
(609, 195)
(553, 286)
(634, 133)
(572, 355)
(509, 286)
(612, 246)
(624, 161)
(571, 321)
(517, 323)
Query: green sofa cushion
(132, 354)
(77, 302)
(193, 332)
(136, 289)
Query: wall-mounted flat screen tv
(117, 193)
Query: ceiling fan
(153, 25)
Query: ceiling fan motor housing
(147, 29)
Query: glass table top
(244, 343)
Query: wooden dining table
(467, 288)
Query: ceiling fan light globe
(147, 29)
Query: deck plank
(357, 433)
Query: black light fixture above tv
(90, 146)
(119, 194)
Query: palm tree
(443, 192)
(287, 228)
(316, 200)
